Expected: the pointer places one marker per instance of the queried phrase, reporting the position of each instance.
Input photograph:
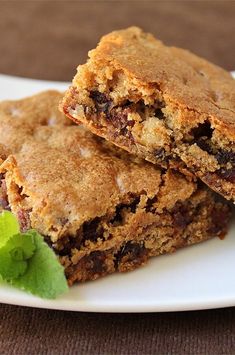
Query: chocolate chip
(98, 97)
(204, 145)
(68, 243)
(89, 231)
(227, 174)
(181, 215)
(118, 216)
(219, 219)
(119, 117)
(48, 241)
(95, 262)
(160, 154)
(92, 230)
(159, 114)
(202, 130)
(102, 102)
(98, 259)
(224, 157)
(134, 204)
(150, 203)
(133, 252)
(125, 132)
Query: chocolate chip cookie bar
(162, 103)
(101, 209)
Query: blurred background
(48, 39)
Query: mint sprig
(14, 255)
(27, 262)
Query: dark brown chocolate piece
(132, 253)
(181, 215)
(92, 230)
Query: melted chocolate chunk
(204, 145)
(69, 243)
(134, 204)
(102, 102)
(96, 262)
(202, 130)
(202, 135)
(159, 114)
(118, 217)
(227, 174)
(150, 203)
(98, 97)
(133, 252)
(219, 219)
(92, 230)
(224, 157)
(89, 231)
(181, 215)
(119, 117)
(161, 154)
(48, 241)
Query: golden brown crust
(144, 97)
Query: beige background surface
(47, 40)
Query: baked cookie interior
(162, 103)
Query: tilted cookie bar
(162, 103)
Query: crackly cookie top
(67, 174)
(185, 80)
(19, 118)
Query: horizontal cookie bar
(100, 208)
(162, 103)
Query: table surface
(47, 40)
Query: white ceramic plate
(197, 277)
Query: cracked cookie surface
(162, 103)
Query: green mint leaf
(27, 262)
(8, 226)
(44, 275)
(14, 255)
